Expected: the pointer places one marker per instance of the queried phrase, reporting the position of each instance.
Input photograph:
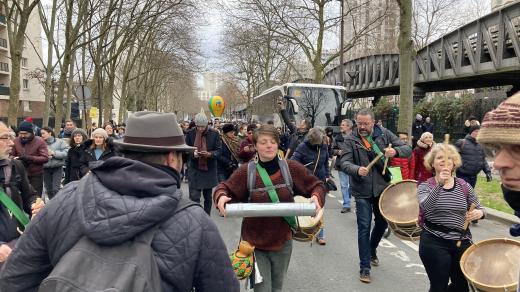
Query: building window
(27, 106)
(24, 62)
(26, 84)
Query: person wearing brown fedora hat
(124, 200)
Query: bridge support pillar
(418, 94)
(513, 90)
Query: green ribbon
(13, 208)
(376, 148)
(291, 220)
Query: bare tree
(17, 14)
(312, 103)
(406, 54)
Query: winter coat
(33, 154)
(200, 179)
(296, 138)
(473, 157)
(242, 154)
(421, 173)
(73, 164)
(88, 156)
(22, 193)
(307, 155)
(226, 163)
(114, 203)
(356, 155)
(338, 147)
(417, 130)
(60, 149)
(406, 164)
(427, 127)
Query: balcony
(4, 90)
(4, 68)
(3, 45)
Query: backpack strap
(251, 176)
(286, 174)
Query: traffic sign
(83, 91)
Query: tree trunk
(405, 67)
(70, 87)
(16, 47)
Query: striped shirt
(446, 207)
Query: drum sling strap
(8, 202)
(271, 190)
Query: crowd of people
(113, 183)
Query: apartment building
(32, 99)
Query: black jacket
(200, 179)
(22, 193)
(225, 161)
(473, 157)
(356, 155)
(88, 156)
(112, 207)
(73, 164)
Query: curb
(501, 216)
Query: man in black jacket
(117, 201)
(14, 183)
(473, 158)
(297, 133)
(362, 146)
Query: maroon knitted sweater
(269, 233)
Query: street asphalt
(335, 266)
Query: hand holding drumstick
(389, 152)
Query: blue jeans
(368, 241)
(345, 184)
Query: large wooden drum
(308, 226)
(492, 265)
(399, 206)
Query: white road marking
(331, 195)
(401, 255)
(340, 201)
(414, 265)
(411, 245)
(421, 273)
(386, 243)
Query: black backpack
(127, 267)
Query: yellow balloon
(216, 106)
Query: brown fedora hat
(153, 132)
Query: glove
(489, 177)
(25, 158)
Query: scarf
(200, 143)
(370, 144)
(233, 144)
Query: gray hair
(348, 122)
(316, 136)
(365, 112)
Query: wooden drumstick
(374, 161)
(386, 160)
(466, 223)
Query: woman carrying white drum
(271, 236)
(445, 202)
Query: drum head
(493, 264)
(398, 202)
(307, 221)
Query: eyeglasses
(363, 124)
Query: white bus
(320, 104)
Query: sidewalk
(501, 216)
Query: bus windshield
(321, 106)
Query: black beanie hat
(473, 128)
(26, 127)
(228, 128)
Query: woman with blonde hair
(444, 202)
(424, 145)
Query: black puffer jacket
(112, 207)
(473, 157)
(73, 164)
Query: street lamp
(341, 45)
